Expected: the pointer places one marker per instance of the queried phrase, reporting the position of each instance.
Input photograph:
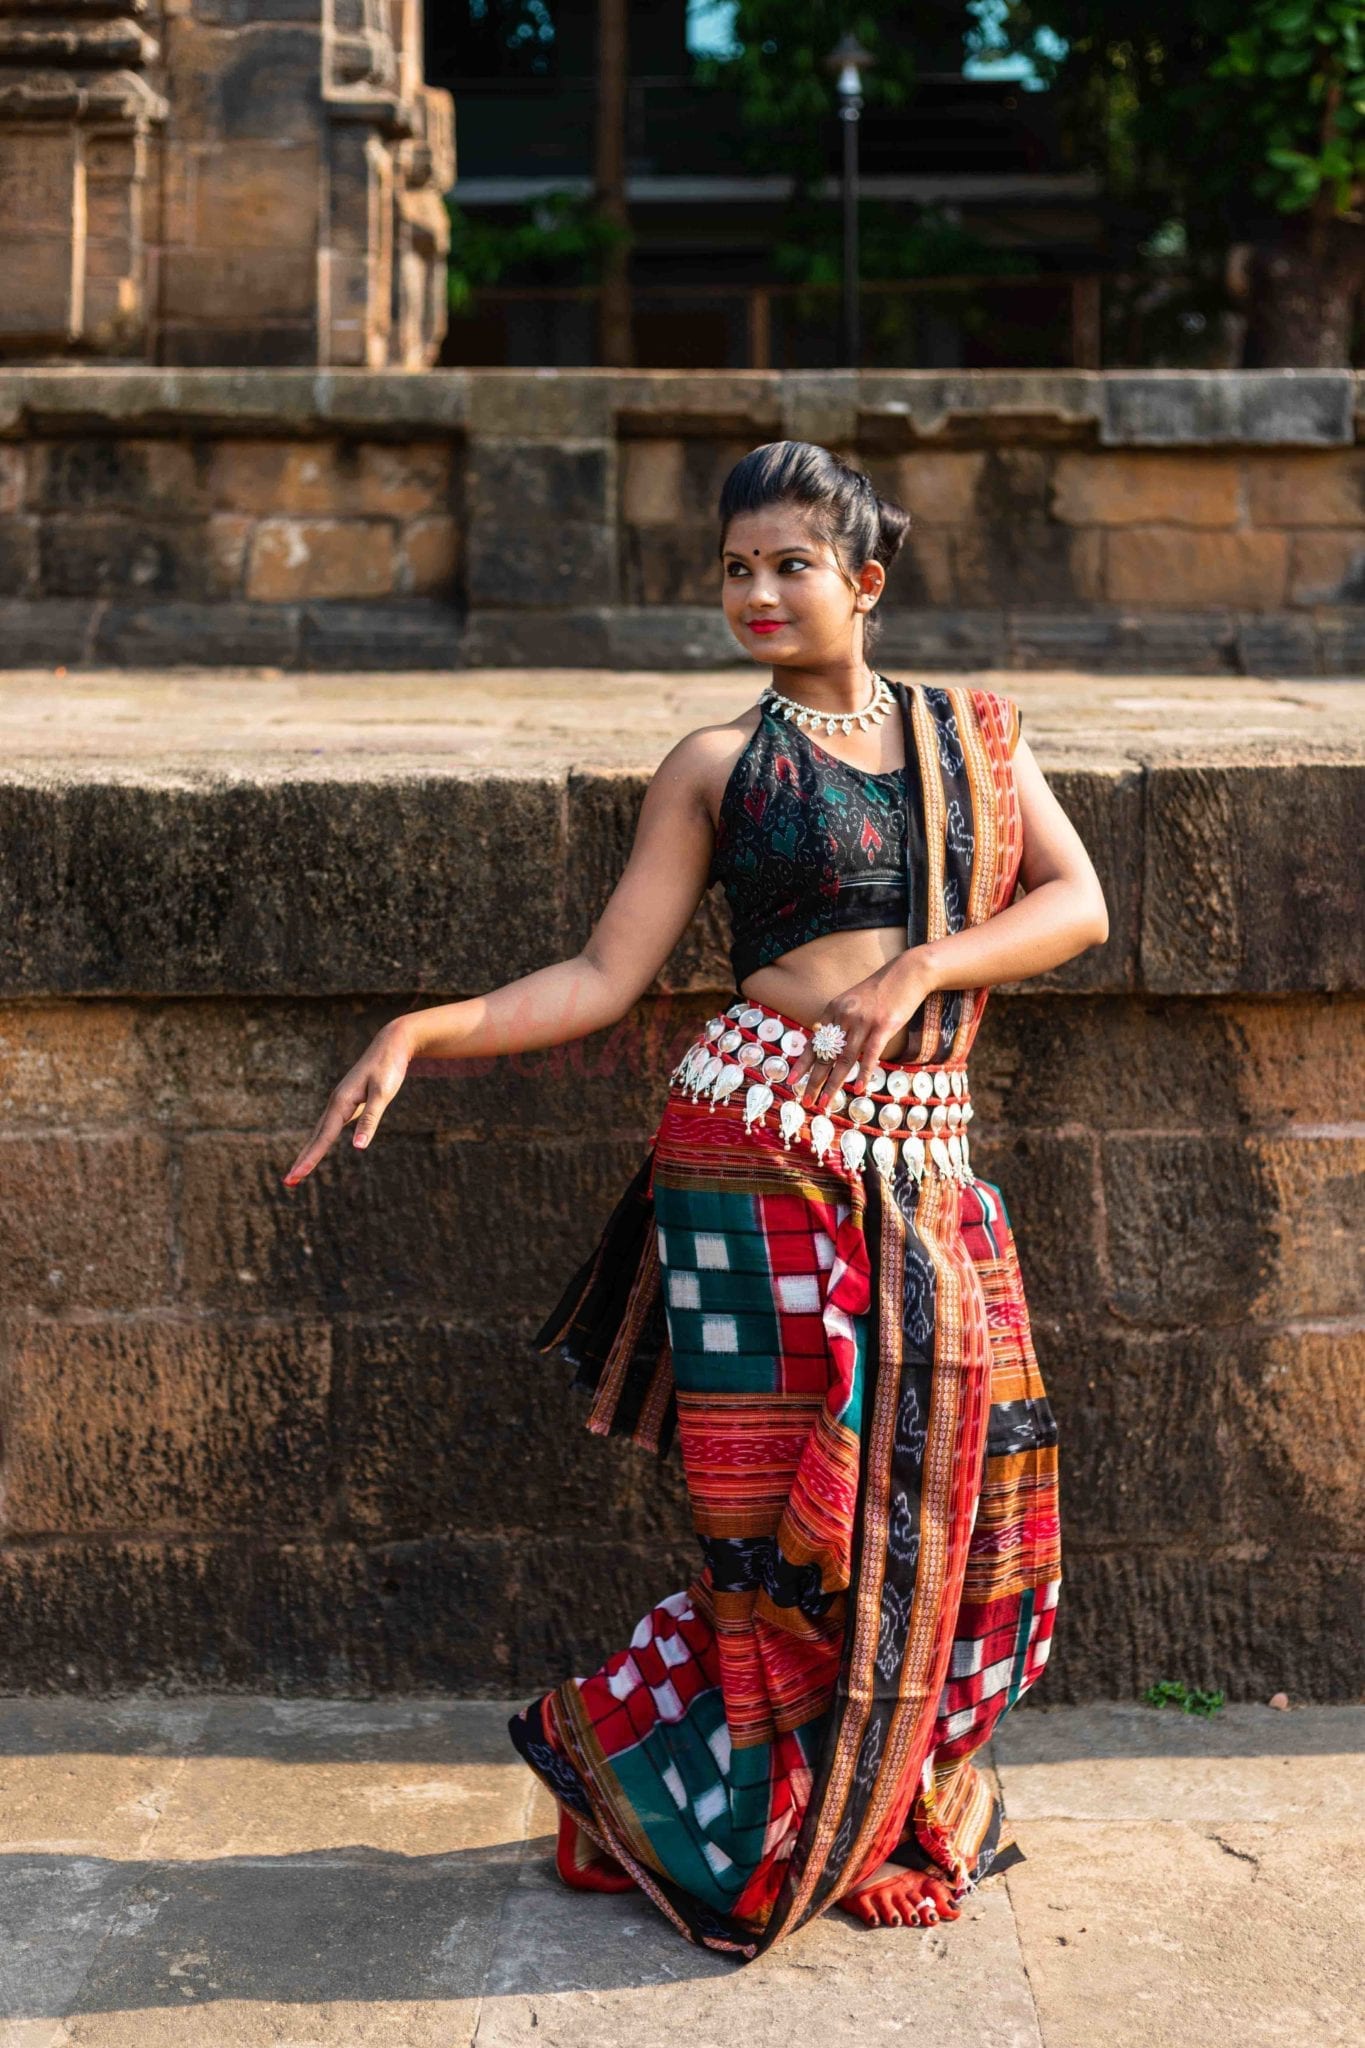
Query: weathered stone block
(1155, 565)
(179, 1426)
(403, 479)
(171, 632)
(542, 502)
(302, 558)
(465, 1614)
(107, 555)
(406, 633)
(688, 402)
(1013, 553)
(670, 565)
(113, 473)
(1161, 408)
(233, 285)
(548, 406)
(946, 640)
(1296, 1419)
(247, 343)
(707, 461)
(14, 472)
(19, 556)
(1324, 488)
(1327, 568)
(938, 487)
(336, 477)
(1216, 919)
(681, 637)
(1341, 637)
(1151, 1460)
(584, 637)
(922, 573)
(1192, 1229)
(429, 555)
(1107, 640)
(1246, 1624)
(102, 1615)
(430, 1439)
(821, 406)
(1034, 561)
(1315, 1191)
(244, 88)
(69, 1063)
(44, 632)
(368, 1228)
(651, 481)
(1106, 807)
(1048, 1182)
(258, 869)
(1115, 1063)
(1292, 1059)
(1278, 644)
(61, 1197)
(1142, 490)
(261, 195)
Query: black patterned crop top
(806, 844)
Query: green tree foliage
(1296, 71)
(1210, 98)
(560, 239)
(785, 90)
(788, 112)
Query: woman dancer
(805, 1279)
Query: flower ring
(828, 1041)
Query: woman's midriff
(807, 979)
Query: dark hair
(840, 501)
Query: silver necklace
(806, 716)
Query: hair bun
(893, 523)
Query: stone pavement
(232, 1871)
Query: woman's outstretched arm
(650, 908)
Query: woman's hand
(870, 1013)
(365, 1092)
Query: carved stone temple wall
(221, 182)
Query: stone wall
(1195, 523)
(296, 1440)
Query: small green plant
(1173, 1692)
(560, 238)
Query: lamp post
(848, 60)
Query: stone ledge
(250, 835)
(1117, 408)
(334, 636)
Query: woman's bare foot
(897, 1897)
(582, 1864)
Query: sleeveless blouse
(806, 843)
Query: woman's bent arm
(1062, 913)
(650, 908)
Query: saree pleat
(871, 1463)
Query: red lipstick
(766, 625)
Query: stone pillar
(249, 185)
(77, 112)
(389, 142)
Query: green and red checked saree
(829, 1316)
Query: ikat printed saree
(842, 1352)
